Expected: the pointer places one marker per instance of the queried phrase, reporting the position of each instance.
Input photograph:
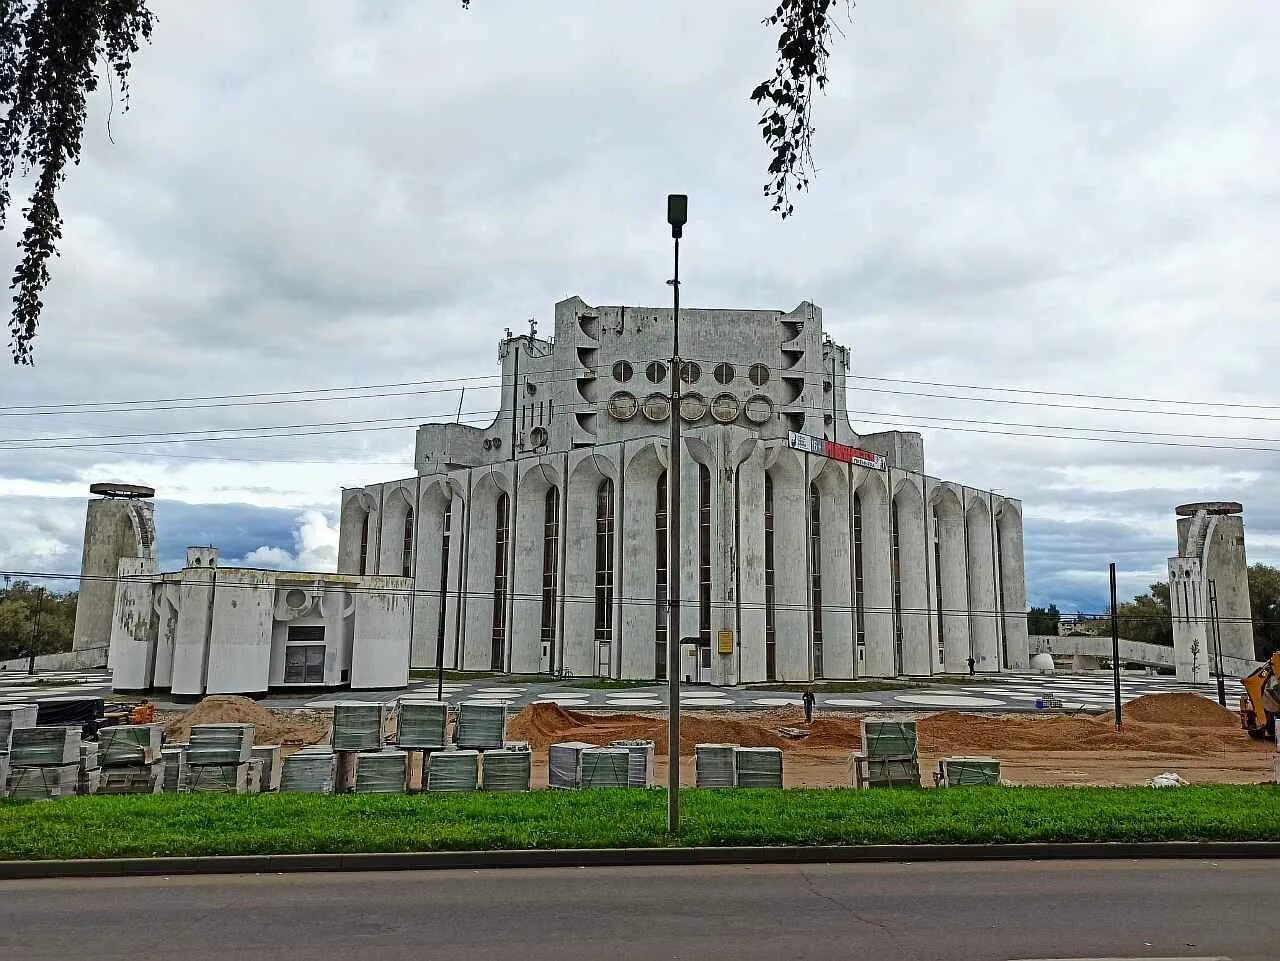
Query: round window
(758, 409)
(295, 598)
(693, 407)
(690, 372)
(538, 437)
(622, 371)
(656, 372)
(623, 405)
(724, 373)
(724, 408)
(657, 407)
(758, 374)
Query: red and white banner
(840, 452)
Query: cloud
(315, 547)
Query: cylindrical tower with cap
(119, 523)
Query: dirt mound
(286, 728)
(545, 724)
(1187, 710)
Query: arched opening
(859, 585)
(770, 587)
(660, 578)
(364, 545)
(704, 573)
(550, 571)
(815, 576)
(446, 523)
(406, 555)
(895, 557)
(501, 538)
(604, 576)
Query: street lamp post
(1217, 641)
(677, 215)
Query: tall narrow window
(406, 553)
(660, 579)
(704, 568)
(364, 545)
(550, 570)
(859, 616)
(895, 556)
(445, 523)
(501, 536)
(770, 588)
(937, 579)
(604, 575)
(815, 575)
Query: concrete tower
(1210, 549)
(119, 525)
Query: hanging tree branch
(49, 54)
(804, 40)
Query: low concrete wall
(1134, 652)
(92, 657)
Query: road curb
(628, 857)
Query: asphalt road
(998, 911)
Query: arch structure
(540, 543)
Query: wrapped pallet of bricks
(965, 771)
(269, 755)
(217, 779)
(713, 765)
(46, 782)
(309, 771)
(220, 744)
(639, 773)
(897, 772)
(174, 757)
(131, 779)
(506, 770)
(358, 726)
(481, 727)
(133, 744)
(422, 724)
(89, 773)
(4, 773)
(454, 771)
(757, 766)
(604, 767)
(883, 738)
(45, 746)
(15, 716)
(381, 772)
(563, 768)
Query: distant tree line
(34, 621)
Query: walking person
(807, 700)
(971, 662)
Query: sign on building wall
(840, 452)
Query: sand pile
(1188, 710)
(286, 728)
(545, 724)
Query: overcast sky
(1068, 197)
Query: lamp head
(677, 213)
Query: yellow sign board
(726, 642)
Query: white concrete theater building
(538, 544)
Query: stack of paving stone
(423, 723)
(966, 771)
(174, 757)
(889, 755)
(638, 774)
(381, 772)
(312, 770)
(358, 726)
(508, 769)
(481, 727)
(14, 716)
(218, 758)
(269, 755)
(713, 765)
(130, 757)
(563, 768)
(4, 773)
(253, 776)
(757, 766)
(44, 762)
(89, 774)
(604, 767)
(454, 771)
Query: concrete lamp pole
(677, 215)
(1217, 641)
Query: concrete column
(751, 632)
(955, 587)
(877, 576)
(239, 657)
(913, 573)
(432, 508)
(639, 561)
(195, 615)
(984, 630)
(791, 590)
(1013, 586)
(477, 638)
(837, 618)
(529, 533)
(133, 628)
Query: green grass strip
(160, 825)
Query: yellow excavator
(1261, 702)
